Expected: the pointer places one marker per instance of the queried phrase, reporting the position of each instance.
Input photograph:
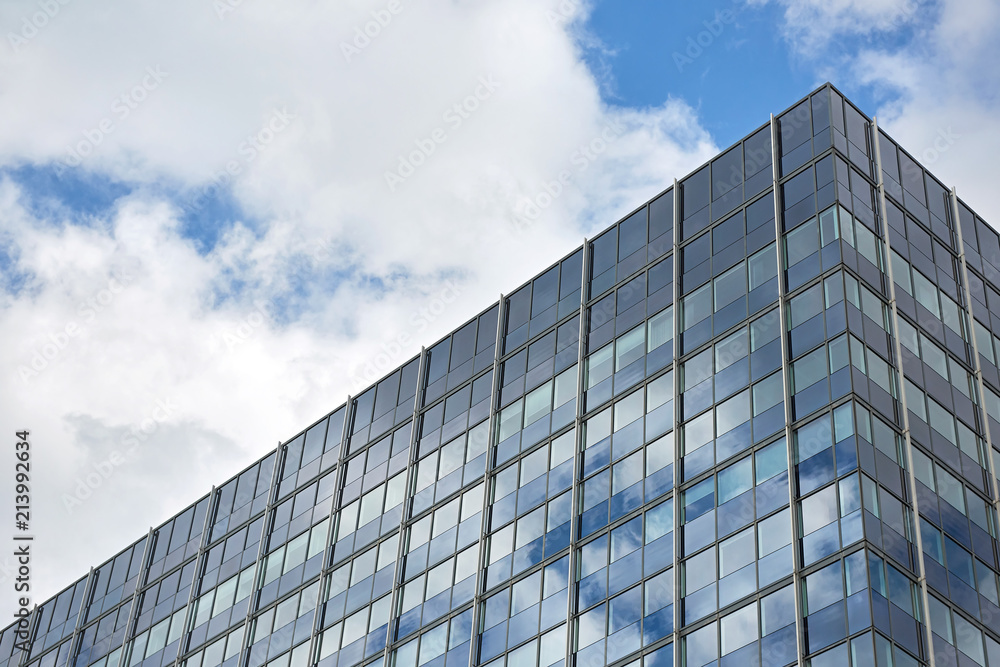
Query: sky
(219, 218)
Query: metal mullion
(553, 327)
(411, 459)
(911, 475)
(494, 392)
(967, 292)
(578, 442)
(194, 579)
(513, 352)
(87, 590)
(323, 571)
(32, 623)
(675, 558)
(244, 648)
(146, 553)
(785, 370)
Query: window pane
(660, 329)
(730, 286)
(696, 307)
(801, 242)
(629, 347)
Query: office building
(752, 423)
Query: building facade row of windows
(514, 493)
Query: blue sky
(79, 196)
(727, 59)
(75, 195)
(719, 56)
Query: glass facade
(750, 424)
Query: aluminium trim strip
(32, 627)
(146, 554)
(981, 387)
(675, 331)
(87, 589)
(268, 509)
(397, 585)
(786, 369)
(577, 449)
(492, 425)
(911, 475)
(194, 576)
(323, 572)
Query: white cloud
(813, 25)
(346, 261)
